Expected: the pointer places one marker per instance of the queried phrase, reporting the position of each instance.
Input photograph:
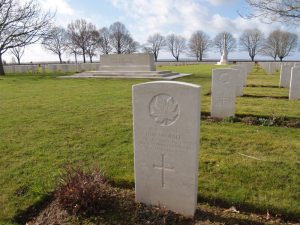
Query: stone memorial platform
(138, 65)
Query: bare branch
(286, 11)
(252, 41)
(199, 43)
(56, 41)
(154, 44)
(176, 45)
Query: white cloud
(221, 2)
(60, 6)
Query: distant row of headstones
(289, 76)
(44, 68)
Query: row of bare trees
(278, 44)
(83, 38)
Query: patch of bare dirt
(127, 211)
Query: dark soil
(126, 211)
(255, 120)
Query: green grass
(47, 122)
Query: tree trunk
(252, 58)
(59, 55)
(155, 57)
(19, 60)
(281, 58)
(2, 73)
(200, 57)
(91, 59)
(177, 58)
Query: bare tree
(275, 10)
(80, 33)
(288, 44)
(18, 52)
(199, 44)
(176, 45)
(104, 43)
(270, 46)
(21, 21)
(132, 46)
(280, 44)
(252, 41)
(72, 49)
(120, 38)
(229, 40)
(56, 41)
(93, 43)
(154, 44)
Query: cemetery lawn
(46, 123)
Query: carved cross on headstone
(163, 169)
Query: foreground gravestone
(295, 84)
(223, 95)
(166, 119)
(285, 76)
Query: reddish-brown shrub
(84, 193)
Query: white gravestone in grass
(166, 117)
(285, 76)
(244, 72)
(239, 77)
(223, 95)
(295, 84)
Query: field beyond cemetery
(46, 123)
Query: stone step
(129, 73)
(169, 76)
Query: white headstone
(24, 69)
(295, 84)
(65, 67)
(53, 68)
(223, 95)
(271, 68)
(43, 68)
(166, 117)
(243, 72)
(285, 75)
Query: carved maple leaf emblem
(164, 109)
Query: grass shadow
(250, 208)
(23, 216)
(264, 96)
(262, 86)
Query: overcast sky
(145, 17)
